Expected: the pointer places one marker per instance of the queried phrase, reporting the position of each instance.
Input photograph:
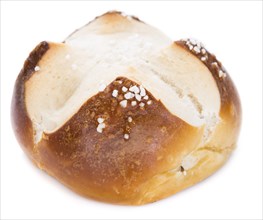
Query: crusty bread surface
(120, 113)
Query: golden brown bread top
(121, 152)
(107, 159)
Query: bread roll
(120, 113)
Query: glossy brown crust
(105, 166)
(20, 121)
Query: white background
(231, 30)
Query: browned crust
(104, 165)
(21, 123)
(107, 167)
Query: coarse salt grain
(128, 95)
(143, 92)
(133, 103)
(129, 119)
(100, 120)
(203, 58)
(126, 136)
(134, 89)
(138, 97)
(191, 47)
(114, 93)
(221, 74)
(123, 103)
(100, 127)
(197, 49)
(146, 97)
(141, 104)
(203, 51)
(149, 102)
(124, 89)
(214, 64)
(37, 68)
